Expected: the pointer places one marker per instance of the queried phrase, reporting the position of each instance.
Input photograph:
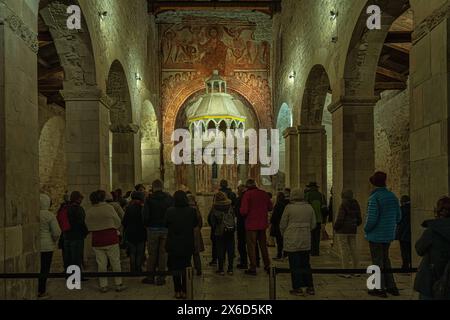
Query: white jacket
(296, 224)
(49, 227)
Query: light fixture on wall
(333, 15)
(103, 15)
(292, 75)
(137, 76)
(334, 39)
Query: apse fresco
(192, 50)
(205, 48)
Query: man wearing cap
(383, 215)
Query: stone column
(87, 141)
(169, 168)
(19, 157)
(292, 159)
(429, 127)
(312, 146)
(353, 147)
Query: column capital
(353, 101)
(85, 94)
(124, 128)
(292, 131)
(303, 129)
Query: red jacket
(255, 207)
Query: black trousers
(213, 246)
(46, 263)
(405, 249)
(242, 245)
(300, 266)
(315, 240)
(380, 257)
(280, 253)
(179, 280)
(225, 246)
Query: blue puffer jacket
(383, 215)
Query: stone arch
(262, 109)
(52, 159)
(122, 145)
(150, 144)
(74, 47)
(365, 48)
(314, 97)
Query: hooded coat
(434, 247)
(296, 224)
(49, 227)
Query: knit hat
(136, 195)
(378, 179)
(221, 199)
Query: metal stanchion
(190, 283)
(273, 284)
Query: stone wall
(392, 139)
(19, 166)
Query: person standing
(383, 215)
(404, 233)
(346, 225)
(255, 207)
(223, 221)
(277, 214)
(135, 234)
(181, 220)
(434, 247)
(102, 221)
(74, 231)
(49, 235)
(240, 228)
(297, 222)
(199, 246)
(317, 200)
(154, 215)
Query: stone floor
(210, 286)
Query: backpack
(228, 220)
(63, 218)
(441, 288)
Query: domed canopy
(216, 104)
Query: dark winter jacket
(78, 229)
(349, 216)
(240, 219)
(317, 200)
(181, 222)
(404, 226)
(277, 214)
(156, 205)
(133, 225)
(434, 247)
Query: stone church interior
(349, 99)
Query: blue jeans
(301, 275)
(73, 253)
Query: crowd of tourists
(169, 229)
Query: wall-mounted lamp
(103, 15)
(333, 15)
(334, 39)
(137, 76)
(292, 75)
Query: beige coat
(102, 216)
(296, 224)
(49, 227)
